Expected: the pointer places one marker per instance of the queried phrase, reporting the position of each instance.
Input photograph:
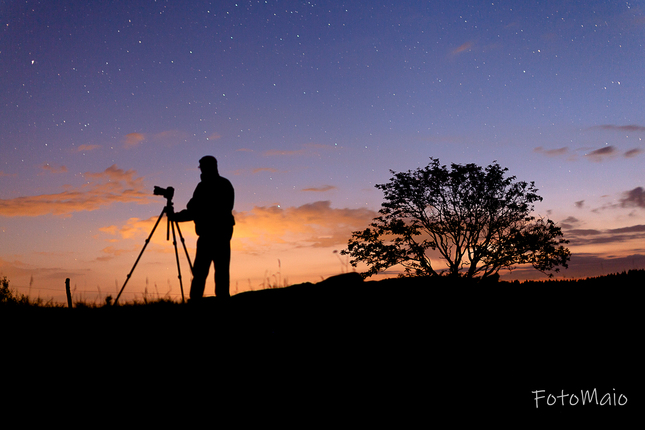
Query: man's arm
(188, 214)
(180, 216)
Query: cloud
(263, 228)
(6, 175)
(49, 168)
(110, 252)
(627, 230)
(579, 204)
(599, 155)
(621, 128)
(17, 269)
(87, 148)
(265, 169)
(320, 189)
(632, 153)
(569, 222)
(129, 238)
(134, 227)
(633, 198)
(307, 149)
(463, 48)
(113, 185)
(581, 237)
(214, 136)
(112, 230)
(583, 232)
(255, 171)
(133, 139)
(170, 137)
(311, 225)
(274, 152)
(552, 152)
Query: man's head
(208, 165)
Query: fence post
(69, 293)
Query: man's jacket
(211, 206)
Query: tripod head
(168, 193)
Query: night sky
(306, 105)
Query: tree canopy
(477, 219)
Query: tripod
(171, 225)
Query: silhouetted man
(211, 208)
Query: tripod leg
(183, 242)
(174, 242)
(140, 254)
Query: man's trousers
(217, 249)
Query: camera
(168, 193)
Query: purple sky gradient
(306, 105)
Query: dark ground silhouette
(386, 351)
